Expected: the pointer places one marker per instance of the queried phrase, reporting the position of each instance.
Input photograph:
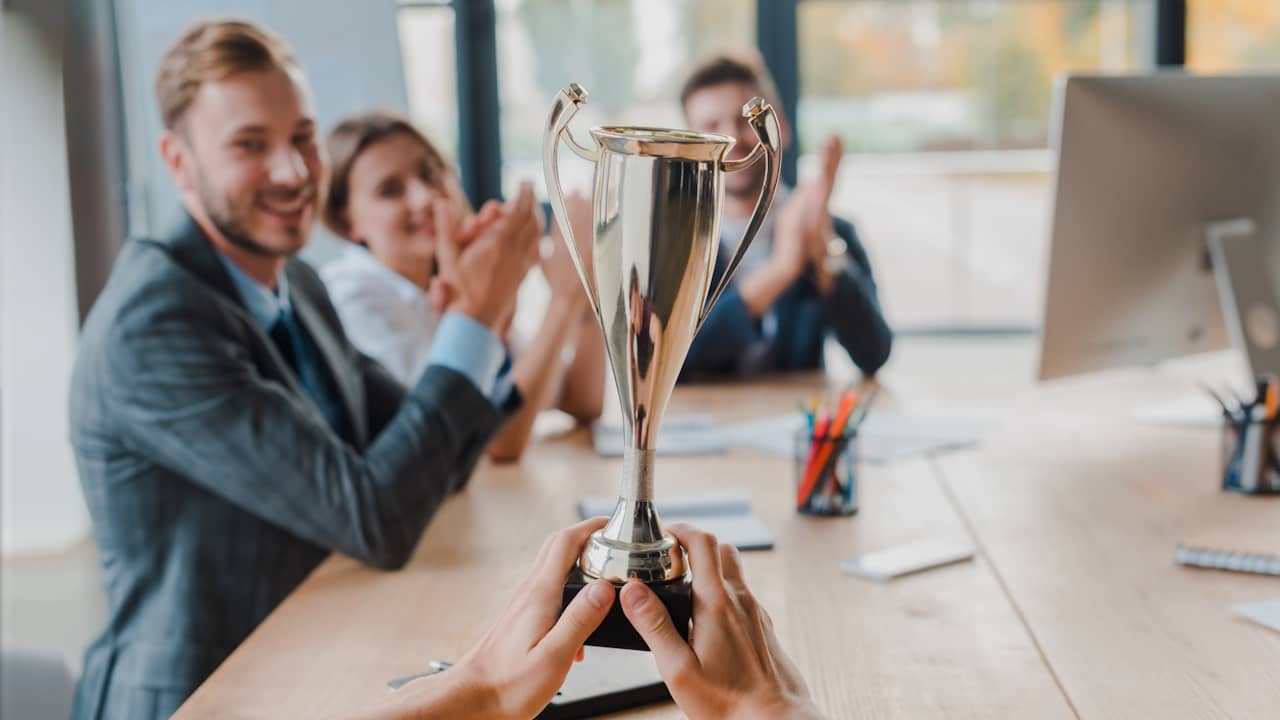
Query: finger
(446, 237)
(675, 659)
(581, 618)
(704, 560)
(524, 200)
(490, 211)
(561, 551)
(581, 654)
(550, 568)
(539, 218)
(731, 565)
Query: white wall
(41, 508)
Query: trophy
(647, 272)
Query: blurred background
(943, 108)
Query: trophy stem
(637, 474)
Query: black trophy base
(616, 630)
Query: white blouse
(385, 315)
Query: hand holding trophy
(657, 197)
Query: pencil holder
(826, 470)
(1251, 456)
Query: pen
(435, 665)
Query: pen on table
(436, 666)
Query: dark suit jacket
(214, 483)
(732, 343)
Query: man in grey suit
(227, 434)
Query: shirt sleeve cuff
(472, 350)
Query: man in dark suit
(805, 275)
(227, 434)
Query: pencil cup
(826, 468)
(1251, 456)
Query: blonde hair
(213, 50)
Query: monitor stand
(1251, 313)
(1250, 304)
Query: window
(430, 75)
(943, 109)
(1225, 35)
(630, 55)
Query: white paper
(898, 560)
(728, 516)
(883, 438)
(1193, 411)
(1266, 613)
(604, 671)
(678, 435)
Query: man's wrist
(465, 310)
(762, 288)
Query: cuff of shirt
(472, 350)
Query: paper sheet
(679, 435)
(728, 516)
(1266, 613)
(883, 438)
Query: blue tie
(282, 336)
(289, 339)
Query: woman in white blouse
(385, 176)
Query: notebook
(1250, 544)
(678, 435)
(1234, 560)
(606, 681)
(726, 515)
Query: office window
(943, 108)
(430, 71)
(631, 55)
(1225, 35)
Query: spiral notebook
(1234, 560)
(1252, 545)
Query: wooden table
(1072, 607)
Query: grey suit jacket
(214, 483)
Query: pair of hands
(484, 257)
(803, 226)
(734, 667)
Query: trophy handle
(567, 103)
(761, 116)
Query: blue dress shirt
(270, 307)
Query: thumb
(583, 615)
(650, 618)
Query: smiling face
(246, 159)
(391, 186)
(718, 109)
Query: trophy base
(616, 630)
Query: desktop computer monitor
(1147, 166)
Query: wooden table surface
(1072, 607)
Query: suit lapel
(333, 355)
(192, 249)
